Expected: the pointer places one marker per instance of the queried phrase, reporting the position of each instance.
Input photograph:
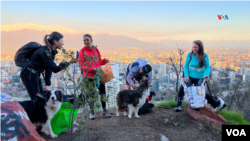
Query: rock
(20, 128)
(166, 120)
(175, 124)
(164, 138)
(172, 118)
(209, 139)
(200, 125)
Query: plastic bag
(195, 95)
(108, 73)
(60, 122)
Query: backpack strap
(191, 55)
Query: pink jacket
(96, 62)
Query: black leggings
(102, 91)
(32, 83)
(196, 82)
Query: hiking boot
(106, 114)
(92, 116)
(178, 109)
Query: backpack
(190, 57)
(23, 54)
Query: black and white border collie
(44, 109)
(133, 99)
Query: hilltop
(149, 127)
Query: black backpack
(23, 54)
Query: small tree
(82, 86)
(177, 62)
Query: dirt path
(147, 128)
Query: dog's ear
(60, 95)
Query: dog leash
(209, 89)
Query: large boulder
(207, 116)
(15, 123)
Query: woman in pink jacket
(91, 68)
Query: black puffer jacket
(43, 60)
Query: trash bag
(108, 73)
(60, 122)
(15, 123)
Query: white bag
(195, 95)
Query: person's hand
(47, 88)
(149, 84)
(73, 61)
(94, 69)
(206, 78)
(106, 60)
(186, 79)
(128, 87)
(134, 87)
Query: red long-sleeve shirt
(96, 62)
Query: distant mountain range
(14, 36)
(207, 43)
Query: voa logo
(236, 132)
(223, 17)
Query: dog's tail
(121, 103)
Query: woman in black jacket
(43, 60)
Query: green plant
(170, 104)
(234, 117)
(83, 85)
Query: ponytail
(49, 42)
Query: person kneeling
(148, 105)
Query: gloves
(64, 65)
(134, 87)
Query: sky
(142, 20)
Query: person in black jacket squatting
(43, 60)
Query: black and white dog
(133, 99)
(44, 109)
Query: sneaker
(92, 116)
(222, 104)
(178, 109)
(106, 114)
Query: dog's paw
(53, 136)
(76, 124)
(45, 132)
(137, 116)
(117, 115)
(125, 114)
(129, 117)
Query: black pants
(196, 82)
(32, 83)
(102, 91)
(146, 108)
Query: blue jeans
(196, 82)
